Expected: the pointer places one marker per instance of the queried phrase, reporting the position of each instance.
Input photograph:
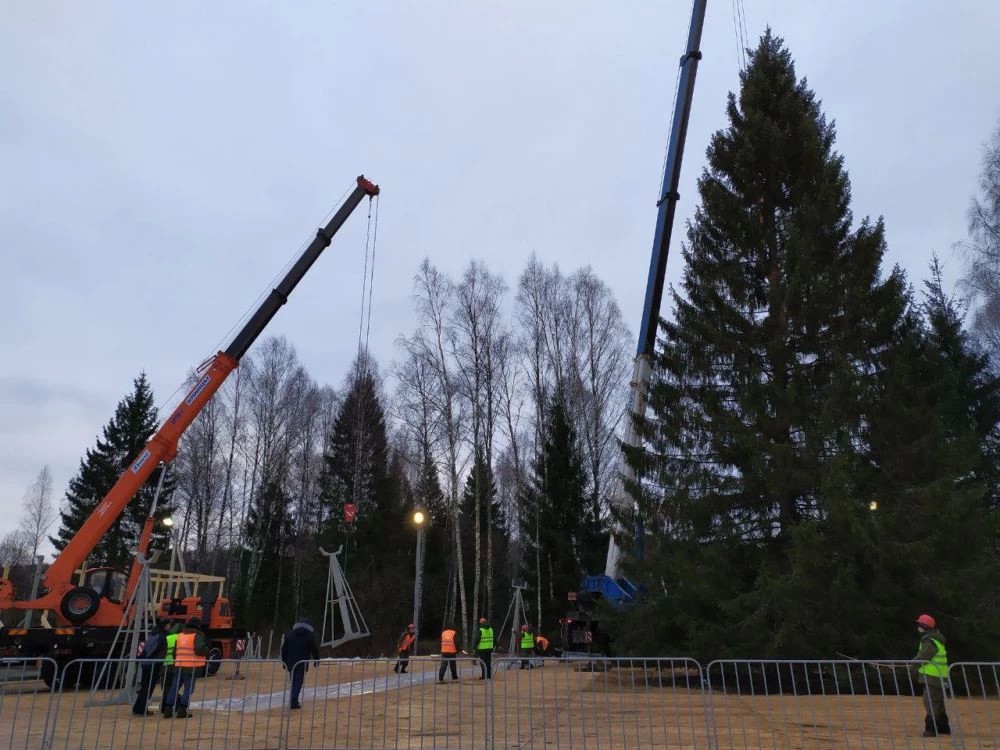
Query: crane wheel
(213, 662)
(79, 604)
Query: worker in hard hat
(527, 645)
(449, 652)
(403, 647)
(484, 649)
(931, 664)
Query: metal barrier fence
(25, 704)
(585, 704)
(589, 704)
(806, 704)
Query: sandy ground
(363, 704)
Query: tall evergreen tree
(766, 379)
(122, 438)
(480, 487)
(356, 458)
(360, 469)
(931, 472)
(555, 514)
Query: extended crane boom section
(666, 209)
(163, 445)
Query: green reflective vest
(527, 639)
(938, 665)
(485, 639)
(168, 660)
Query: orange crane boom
(77, 604)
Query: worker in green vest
(484, 649)
(527, 646)
(931, 664)
(168, 669)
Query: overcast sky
(160, 162)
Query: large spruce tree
(124, 436)
(766, 383)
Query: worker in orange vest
(449, 652)
(403, 647)
(190, 651)
(541, 645)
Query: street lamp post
(169, 523)
(419, 519)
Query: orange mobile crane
(89, 613)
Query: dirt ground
(364, 704)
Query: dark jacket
(299, 645)
(155, 646)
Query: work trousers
(937, 714)
(168, 681)
(403, 662)
(298, 680)
(149, 676)
(182, 687)
(448, 660)
(486, 664)
(526, 654)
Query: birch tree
(38, 514)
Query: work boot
(168, 712)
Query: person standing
(449, 652)
(167, 709)
(931, 664)
(527, 646)
(189, 661)
(484, 649)
(403, 647)
(298, 648)
(153, 652)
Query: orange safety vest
(448, 642)
(407, 641)
(542, 642)
(184, 654)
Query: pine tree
(359, 468)
(124, 436)
(765, 381)
(480, 487)
(932, 474)
(558, 495)
(357, 453)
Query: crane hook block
(368, 186)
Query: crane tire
(79, 604)
(213, 662)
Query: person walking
(298, 647)
(189, 661)
(153, 652)
(484, 649)
(449, 652)
(169, 673)
(527, 646)
(403, 647)
(931, 666)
